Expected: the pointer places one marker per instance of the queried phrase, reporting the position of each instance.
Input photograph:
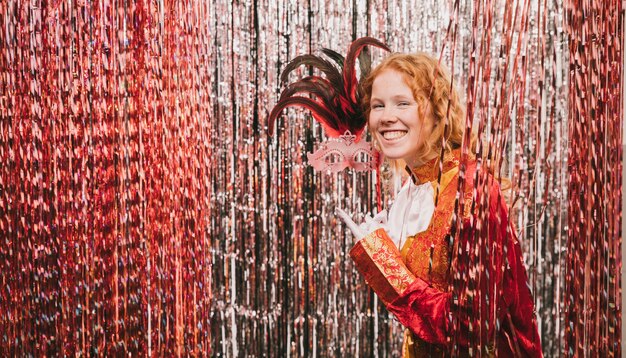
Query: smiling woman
(483, 305)
(397, 122)
(410, 93)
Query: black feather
(331, 72)
(337, 95)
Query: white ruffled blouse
(411, 211)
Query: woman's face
(394, 118)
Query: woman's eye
(403, 104)
(377, 106)
(362, 157)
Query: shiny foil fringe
(592, 297)
(145, 210)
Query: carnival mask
(335, 102)
(335, 155)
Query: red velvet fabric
(424, 309)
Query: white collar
(411, 211)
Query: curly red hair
(430, 84)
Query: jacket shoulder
(480, 189)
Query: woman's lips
(393, 135)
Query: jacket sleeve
(425, 310)
(418, 306)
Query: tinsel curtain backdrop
(145, 210)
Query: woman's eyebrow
(401, 96)
(396, 97)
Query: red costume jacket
(413, 282)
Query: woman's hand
(370, 224)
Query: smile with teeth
(391, 135)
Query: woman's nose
(388, 116)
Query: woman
(405, 256)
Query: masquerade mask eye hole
(362, 157)
(333, 158)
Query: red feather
(336, 103)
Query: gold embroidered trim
(379, 261)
